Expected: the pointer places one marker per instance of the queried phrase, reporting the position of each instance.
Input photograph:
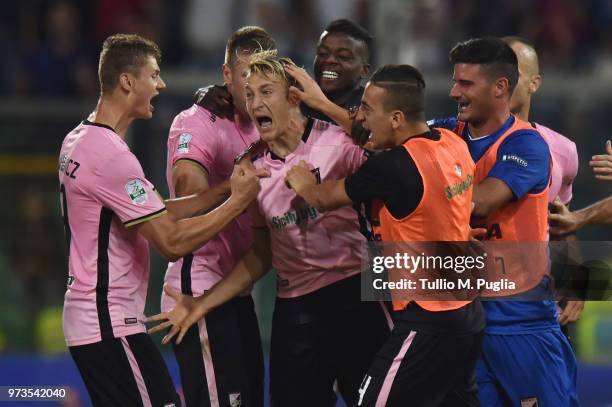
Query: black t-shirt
(391, 176)
(353, 101)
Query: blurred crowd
(50, 48)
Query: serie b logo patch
(136, 191)
(183, 146)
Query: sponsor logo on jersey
(459, 188)
(136, 191)
(515, 158)
(183, 146)
(296, 217)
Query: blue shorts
(527, 370)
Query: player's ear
(293, 96)
(501, 87)
(365, 71)
(396, 119)
(227, 74)
(126, 81)
(534, 84)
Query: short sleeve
(354, 156)
(523, 163)
(199, 145)
(570, 171)
(121, 186)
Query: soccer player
(321, 331)
(221, 358)
(526, 359)
(429, 358)
(110, 211)
(563, 151)
(341, 62)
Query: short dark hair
(123, 53)
(405, 88)
(353, 30)
(249, 39)
(495, 55)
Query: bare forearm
(191, 233)
(337, 114)
(598, 213)
(246, 273)
(200, 203)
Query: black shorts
(221, 359)
(127, 371)
(321, 338)
(422, 366)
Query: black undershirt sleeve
(391, 176)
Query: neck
(523, 112)
(410, 130)
(113, 112)
(288, 139)
(493, 123)
(241, 118)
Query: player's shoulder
(194, 117)
(100, 140)
(528, 137)
(557, 141)
(448, 123)
(323, 133)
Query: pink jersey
(565, 163)
(103, 193)
(310, 249)
(212, 143)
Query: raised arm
(174, 238)
(194, 195)
(312, 95)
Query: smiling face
(268, 104)
(146, 84)
(340, 63)
(374, 118)
(474, 93)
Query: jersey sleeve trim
(145, 218)
(193, 162)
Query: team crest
(458, 170)
(184, 140)
(235, 400)
(136, 191)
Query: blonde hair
(269, 64)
